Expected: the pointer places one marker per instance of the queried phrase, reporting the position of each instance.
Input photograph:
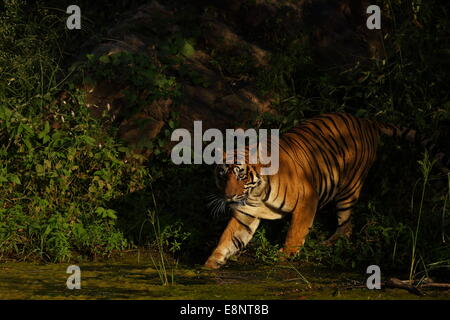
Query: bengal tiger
(323, 159)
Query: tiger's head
(238, 183)
(241, 181)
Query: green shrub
(59, 167)
(265, 251)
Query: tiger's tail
(442, 160)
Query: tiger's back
(334, 152)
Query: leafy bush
(265, 251)
(59, 167)
(173, 237)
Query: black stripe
(332, 136)
(347, 124)
(405, 133)
(269, 189)
(275, 209)
(310, 156)
(345, 222)
(238, 243)
(342, 141)
(345, 209)
(249, 230)
(284, 198)
(363, 155)
(358, 158)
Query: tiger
(324, 159)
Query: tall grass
(160, 263)
(301, 276)
(444, 210)
(425, 167)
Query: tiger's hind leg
(301, 222)
(344, 228)
(344, 208)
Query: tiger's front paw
(288, 253)
(214, 262)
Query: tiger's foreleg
(301, 222)
(237, 234)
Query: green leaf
(15, 179)
(113, 158)
(39, 169)
(99, 211)
(27, 143)
(104, 59)
(28, 129)
(187, 50)
(111, 214)
(88, 140)
(46, 127)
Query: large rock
(335, 30)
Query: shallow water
(131, 277)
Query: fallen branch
(409, 285)
(436, 285)
(397, 283)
